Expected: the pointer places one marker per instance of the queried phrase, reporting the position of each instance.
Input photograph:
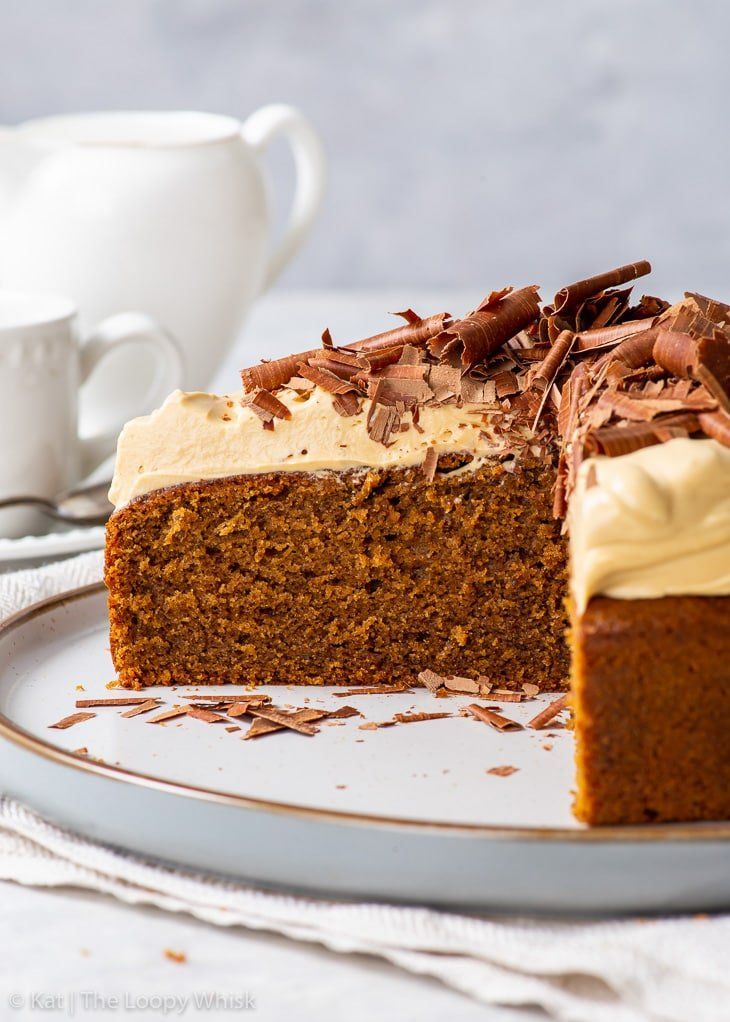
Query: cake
(364, 511)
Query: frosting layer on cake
(652, 523)
(203, 436)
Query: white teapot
(164, 213)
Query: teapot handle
(258, 130)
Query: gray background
(470, 143)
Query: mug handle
(259, 130)
(111, 334)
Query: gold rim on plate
(24, 739)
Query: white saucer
(402, 813)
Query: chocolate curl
(713, 366)
(574, 389)
(706, 359)
(637, 350)
(716, 425)
(634, 407)
(574, 294)
(483, 332)
(551, 366)
(339, 363)
(614, 441)
(554, 360)
(676, 352)
(270, 375)
(416, 332)
(606, 336)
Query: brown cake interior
(651, 698)
(349, 578)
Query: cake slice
(357, 515)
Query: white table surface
(62, 942)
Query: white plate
(51, 544)
(406, 813)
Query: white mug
(42, 368)
(162, 211)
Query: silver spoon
(86, 506)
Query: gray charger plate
(408, 813)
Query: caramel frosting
(197, 436)
(652, 523)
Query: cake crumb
(175, 956)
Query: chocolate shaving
(208, 716)
(175, 711)
(430, 464)
(262, 727)
(270, 375)
(382, 420)
(347, 404)
(430, 680)
(465, 685)
(372, 690)
(492, 718)
(416, 333)
(266, 406)
(503, 771)
(326, 380)
(238, 709)
(343, 712)
(481, 333)
(414, 718)
(676, 352)
(145, 707)
(608, 336)
(571, 296)
(128, 701)
(298, 721)
(73, 718)
(544, 717)
(614, 441)
(716, 425)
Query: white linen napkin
(671, 970)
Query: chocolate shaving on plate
(430, 680)
(544, 717)
(414, 718)
(145, 707)
(370, 690)
(298, 721)
(343, 712)
(129, 701)
(73, 718)
(170, 714)
(493, 718)
(208, 716)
